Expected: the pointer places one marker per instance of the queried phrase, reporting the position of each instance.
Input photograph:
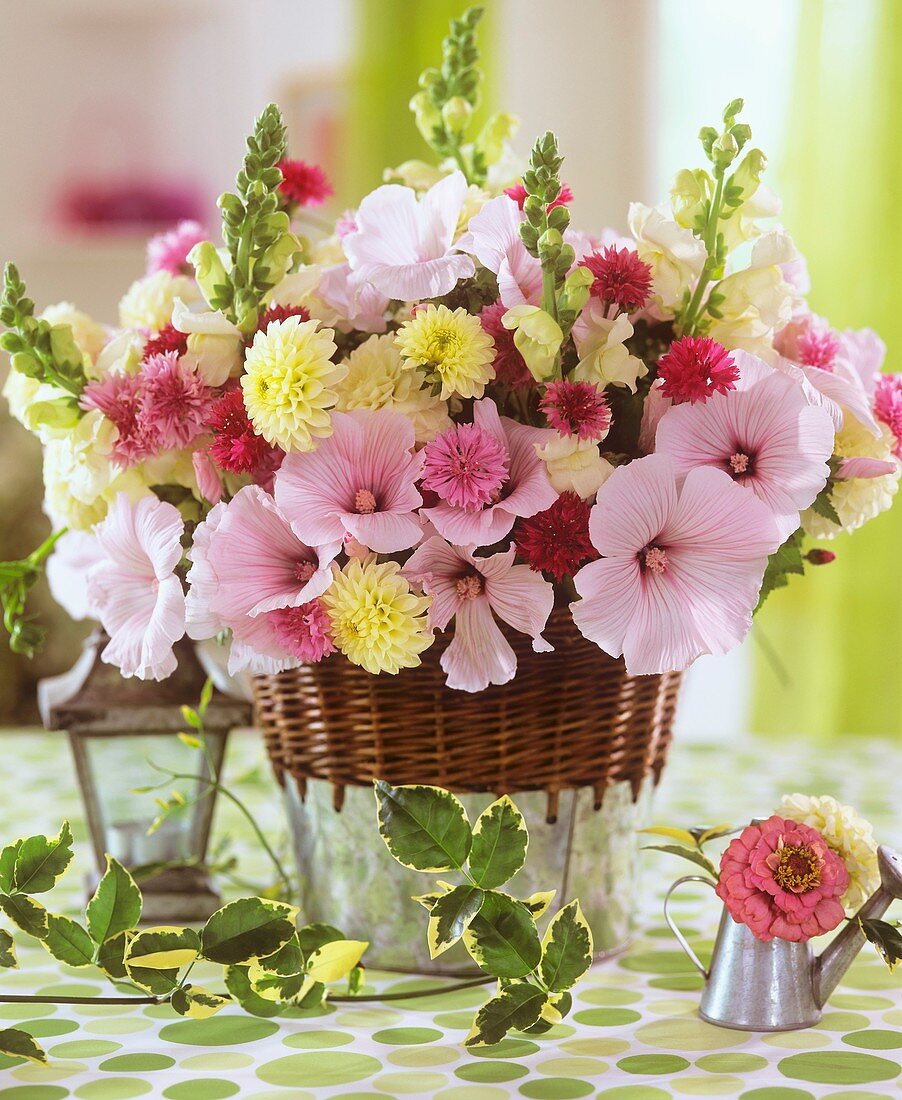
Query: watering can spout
(836, 959)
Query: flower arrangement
(453, 413)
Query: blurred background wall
(122, 114)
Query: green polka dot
(125, 1025)
(797, 1040)
(25, 1012)
(424, 1056)
(472, 1092)
(608, 996)
(870, 977)
(855, 1094)
(656, 962)
(34, 1092)
(860, 1002)
(507, 1048)
(635, 1092)
(874, 1039)
(113, 1088)
(454, 1020)
(369, 1017)
(220, 1060)
(84, 1048)
(45, 1029)
(719, 1084)
(679, 983)
(407, 1036)
(774, 1093)
(839, 1067)
(606, 1017)
(410, 1084)
(592, 1048)
(653, 1064)
(161, 1012)
(315, 1068)
(317, 1040)
(731, 1063)
(201, 1088)
(220, 1031)
(689, 1034)
(671, 1008)
(58, 1070)
(572, 1067)
(137, 1063)
(842, 1021)
(490, 1072)
(556, 1088)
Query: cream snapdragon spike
(454, 417)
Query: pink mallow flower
(403, 245)
(465, 466)
(472, 591)
(525, 491)
(494, 239)
(765, 434)
(169, 251)
(782, 880)
(134, 590)
(360, 481)
(174, 402)
(681, 566)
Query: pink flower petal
(479, 654)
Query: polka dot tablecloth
(633, 1033)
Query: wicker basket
(572, 726)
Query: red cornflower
(577, 408)
(281, 313)
(304, 184)
(694, 368)
(236, 446)
(167, 339)
(621, 278)
(510, 366)
(557, 541)
(518, 194)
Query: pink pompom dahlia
(782, 880)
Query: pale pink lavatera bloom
(525, 491)
(861, 466)
(208, 476)
(404, 245)
(74, 556)
(681, 568)
(360, 481)
(134, 589)
(765, 434)
(473, 591)
(494, 239)
(356, 301)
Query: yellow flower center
(799, 869)
(443, 343)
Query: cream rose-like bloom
(675, 254)
(215, 345)
(47, 412)
(148, 302)
(847, 833)
(378, 379)
(89, 335)
(603, 356)
(122, 355)
(575, 465)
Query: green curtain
(837, 633)
(395, 41)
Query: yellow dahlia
(377, 622)
(289, 383)
(453, 349)
(147, 304)
(847, 833)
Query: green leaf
(886, 938)
(8, 865)
(566, 949)
(41, 860)
(425, 828)
(683, 836)
(154, 958)
(502, 938)
(7, 951)
(116, 904)
(246, 930)
(537, 904)
(19, 1044)
(67, 941)
(500, 840)
(517, 1008)
(205, 696)
(239, 985)
(312, 936)
(335, 960)
(111, 955)
(289, 959)
(784, 561)
(451, 916)
(198, 1003)
(277, 987)
(696, 857)
(823, 505)
(25, 913)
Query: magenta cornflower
(518, 194)
(466, 466)
(695, 368)
(621, 278)
(557, 540)
(169, 251)
(167, 339)
(236, 446)
(174, 401)
(818, 347)
(304, 632)
(509, 364)
(118, 397)
(304, 184)
(888, 406)
(577, 408)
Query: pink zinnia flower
(236, 446)
(361, 480)
(169, 251)
(118, 397)
(526, 490)
(510, 366)
(621, 278)
(134, 589)
(494, 239)
(577, 408)
(518, 194)
(404, 245)
(304, 184)
(681, 567)
(766, 435)
(782, 880)
(472, 591)
(696, 367)
(465, 466)
(174, 402)
(557, 541)
(888, 406)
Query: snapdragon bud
(456, 115)
(427, 116)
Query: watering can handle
(672, 925)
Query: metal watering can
(779, 985)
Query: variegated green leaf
(116, 904)
(500, 841)
(238, 983)
(425, 828)
(566, 949)
(502, 937)
(25, 913)
(450, 917)
(154, 958)
(335, 960)
(7, 951)
(67, 941)
(19, 1044)
(41, 860)
(538, 903)
(247, 930)
(198, 1003)
(517, 1008)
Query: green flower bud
(747, 176)
(426, 115)
(724, 150)
(66, 354)
(25, 363)
(550, 242)
(691, 189)
(209, 270)
(576, 289)
(456, 115)
(499, 129)
(277, 259)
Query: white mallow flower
(147, 304)
(215, 345)
(574, 465)
(600, 343)
(676, 256)
(847, 833)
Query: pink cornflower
(577, 408)
(525, 491)
(681, 567)
(169, 251)
(472, 591)
(174, 402)
(518, 194)
(236, 447)
(810, 341)
(465, 466)
(361, 480)
(765, 434)
(888, 406)
(118, 397)
(346, 224)
(782, 880)
(557, 541)
(621, 278)
(167, 339)
(303, 632)
(510, 366)
(695, 368)
(304, 184)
